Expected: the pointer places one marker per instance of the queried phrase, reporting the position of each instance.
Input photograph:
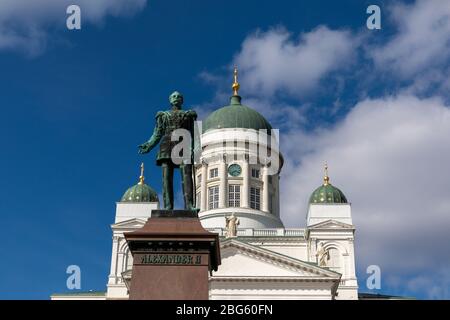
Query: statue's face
(176, 99)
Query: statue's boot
(167, 170)
(188, 186)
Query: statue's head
(176, 99)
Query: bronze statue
(167, 122)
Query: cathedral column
(351, 257)
(245, 184)
(276, 187)
(120, 263)
(203, 187)
(223, 183)
(115, 250)
(265, 198)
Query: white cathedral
(261, 259)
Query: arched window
(129, 264)
(334, 260)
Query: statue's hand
(144, 148)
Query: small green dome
(140, 193)
(235, 115)
(327, 193)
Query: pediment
(331, 224)
(133, 223)
(243, 260)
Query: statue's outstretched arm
(155, 138)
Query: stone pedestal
(172, 255)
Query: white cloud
(418, 53)
(24, 23)
(436, 284)
(422, 40)
(390, 156)
(273, 61)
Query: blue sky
(75, 105)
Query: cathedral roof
(235, 115)
(140, 192)
(327, 193)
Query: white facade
(252, 272)
(260, 263)
(265, 260)
(258, 190)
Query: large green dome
(327, 193)
(235, 115)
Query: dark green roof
(140, 192)
(235, 115)
(327, 193)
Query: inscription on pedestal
(171, 259)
